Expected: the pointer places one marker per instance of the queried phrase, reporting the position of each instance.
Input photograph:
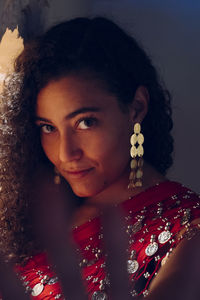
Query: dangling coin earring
(137, 151)
(57, 176)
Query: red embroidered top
(153, 219)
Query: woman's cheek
(50, 148)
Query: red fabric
(158, 206)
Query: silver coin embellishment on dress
(164, 236)
(186, 217)
(98, 295)
(132, 266)
(37, 289)
(137, 226)
(52, 280)
(151, 249)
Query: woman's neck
(119, 192)
(116, 194)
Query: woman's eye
(47, 128)
(87, 123)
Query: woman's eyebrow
(37, 118)
(73, 114)
(82, 110)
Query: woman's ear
(139, 106)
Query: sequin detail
(99, 296)
(151, 249)
(132, 266)
(37, 289)
(164, 236)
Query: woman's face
(84, 133)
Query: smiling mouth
(78, 174)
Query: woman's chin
(86, 191)
(82, 192)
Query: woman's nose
(69, 149)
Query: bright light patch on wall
(10, 47)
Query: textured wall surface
(66, 9)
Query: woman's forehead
(73, 93)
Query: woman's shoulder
(157, 220)
(169, 200)
(168, 204)
(170, 193)
(168, 211)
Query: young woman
(86, 104)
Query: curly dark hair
(95, 45)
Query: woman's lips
(78, 174)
